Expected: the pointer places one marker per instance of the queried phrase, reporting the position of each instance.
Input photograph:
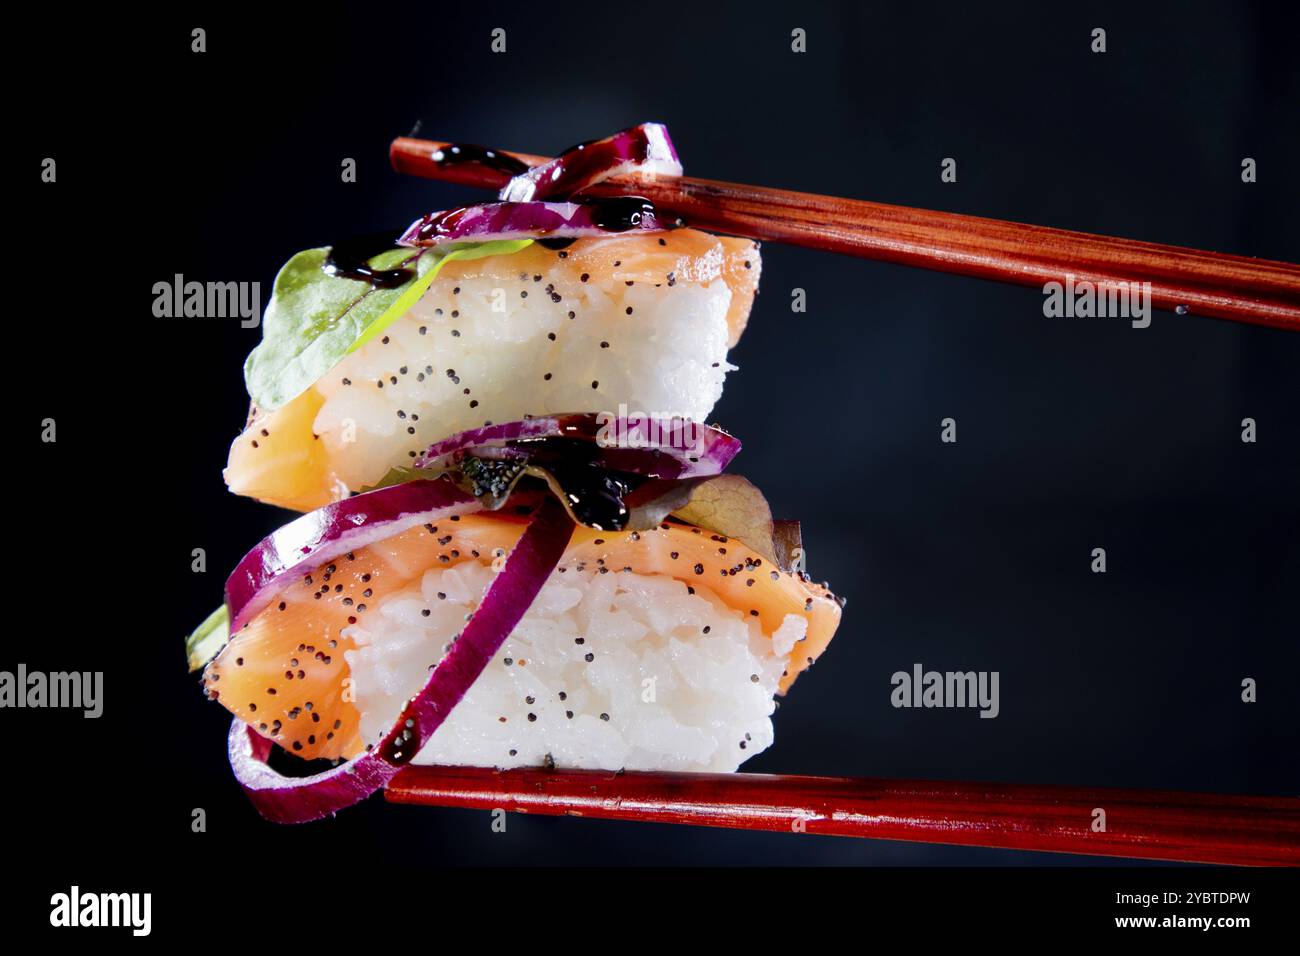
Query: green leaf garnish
(314, 319)
(208, 638)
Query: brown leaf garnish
(728, 505)
(787, 541)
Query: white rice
(675, 682)
(476, 350)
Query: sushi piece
(541, 303)
(641, 321)
(555, 597)
(654, 649)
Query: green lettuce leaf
(208, 638)
(313, 319)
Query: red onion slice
(284, 799)
(334, 530)
(533, 220)
(645, 150)
(637, 444)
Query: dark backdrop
(1073, 434)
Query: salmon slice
(285, 673)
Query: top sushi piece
(632, 323)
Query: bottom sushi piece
(655, 650)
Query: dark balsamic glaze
(454, 154)
(405, 743)
(441, 223)
(594, 495)
(592, 492)
(620, 213)
(350, 260)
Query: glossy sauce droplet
(350, 259)
(620, 213)
(404, 744)
(456, 153)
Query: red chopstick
(1148, 824)
(1258, 291)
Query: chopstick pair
(1160, 825)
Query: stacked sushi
(520, 547)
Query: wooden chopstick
(1149, 824)
(1258, 291)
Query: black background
(1073, 433)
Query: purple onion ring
(645, 150)
(532, 220)
(637, 444)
